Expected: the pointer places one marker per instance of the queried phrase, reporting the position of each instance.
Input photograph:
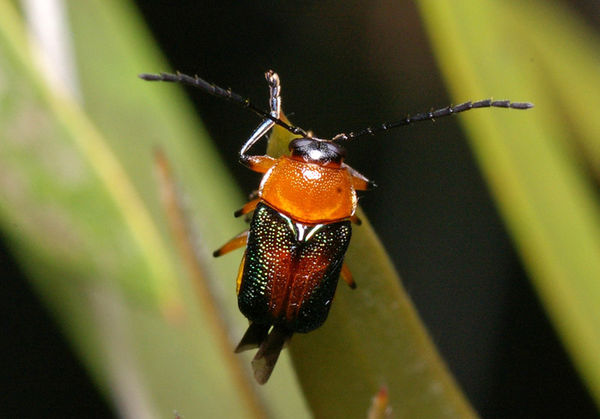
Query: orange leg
(248, 207)
(360, 181)
(260, 164)
(347, 276)
(356, 220)
(235, 243)
(240, 275)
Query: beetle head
(314, 150)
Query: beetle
(301, 223)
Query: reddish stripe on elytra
(293, 285)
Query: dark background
(344, 66)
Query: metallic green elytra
(291, 270)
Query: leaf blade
(542, 189)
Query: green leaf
(538, 163)
(80, 206)
(373, 338)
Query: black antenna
(217, 91)
(438, 113)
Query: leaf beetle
(297, 240)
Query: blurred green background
(344, 66)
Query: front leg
(266, 125)
(260, 164)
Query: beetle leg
(235, 243)
(240, 275)
(347, 276)
(360, 181)
(254, 336)
(248, 207)
(356, 220)
(260, 164)
(267, 124)
(268, 353)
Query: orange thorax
(308, 192)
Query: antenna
(227, 94)
(428, 116)
(222, 93)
